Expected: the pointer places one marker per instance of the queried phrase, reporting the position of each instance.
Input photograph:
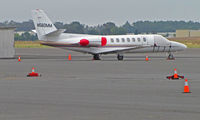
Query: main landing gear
(120, 57)
(96, 57)
(171, 56)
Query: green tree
(17, 37)
(128, 27)
(74, 27)
(25, 37)
(118, 31)
(59, 25)
(106, 28)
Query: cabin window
(128, 40)
(133, 39)
(123, 40)
(138, 39)
(117, 39)
(112, 40)
(144, 39)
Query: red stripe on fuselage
(103, 41)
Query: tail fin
(43, 24)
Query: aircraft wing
(106, 50)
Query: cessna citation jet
(101, 44)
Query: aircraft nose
(182, 46)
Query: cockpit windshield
(161, 41)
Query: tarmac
(83, 89)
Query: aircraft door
(159, 44)
(150, 42)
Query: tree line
(108, 28)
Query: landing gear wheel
(171, 57)
(96, 57)
(120, 57)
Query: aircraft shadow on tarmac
(89, 58)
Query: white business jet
(97, 45)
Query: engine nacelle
(84, 42)
(93, 42)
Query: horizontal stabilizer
(34, 31)
(56, 33)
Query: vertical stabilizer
(43, 24)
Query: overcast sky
(93, 12)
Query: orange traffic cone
(186, 87)
(33, 73)
(175, 74)
(33, 69)
(69, 57)
(147, 58)
(19, 58)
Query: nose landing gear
(170, 56)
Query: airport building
(7, 49)
(187, 33)
(167, 34)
